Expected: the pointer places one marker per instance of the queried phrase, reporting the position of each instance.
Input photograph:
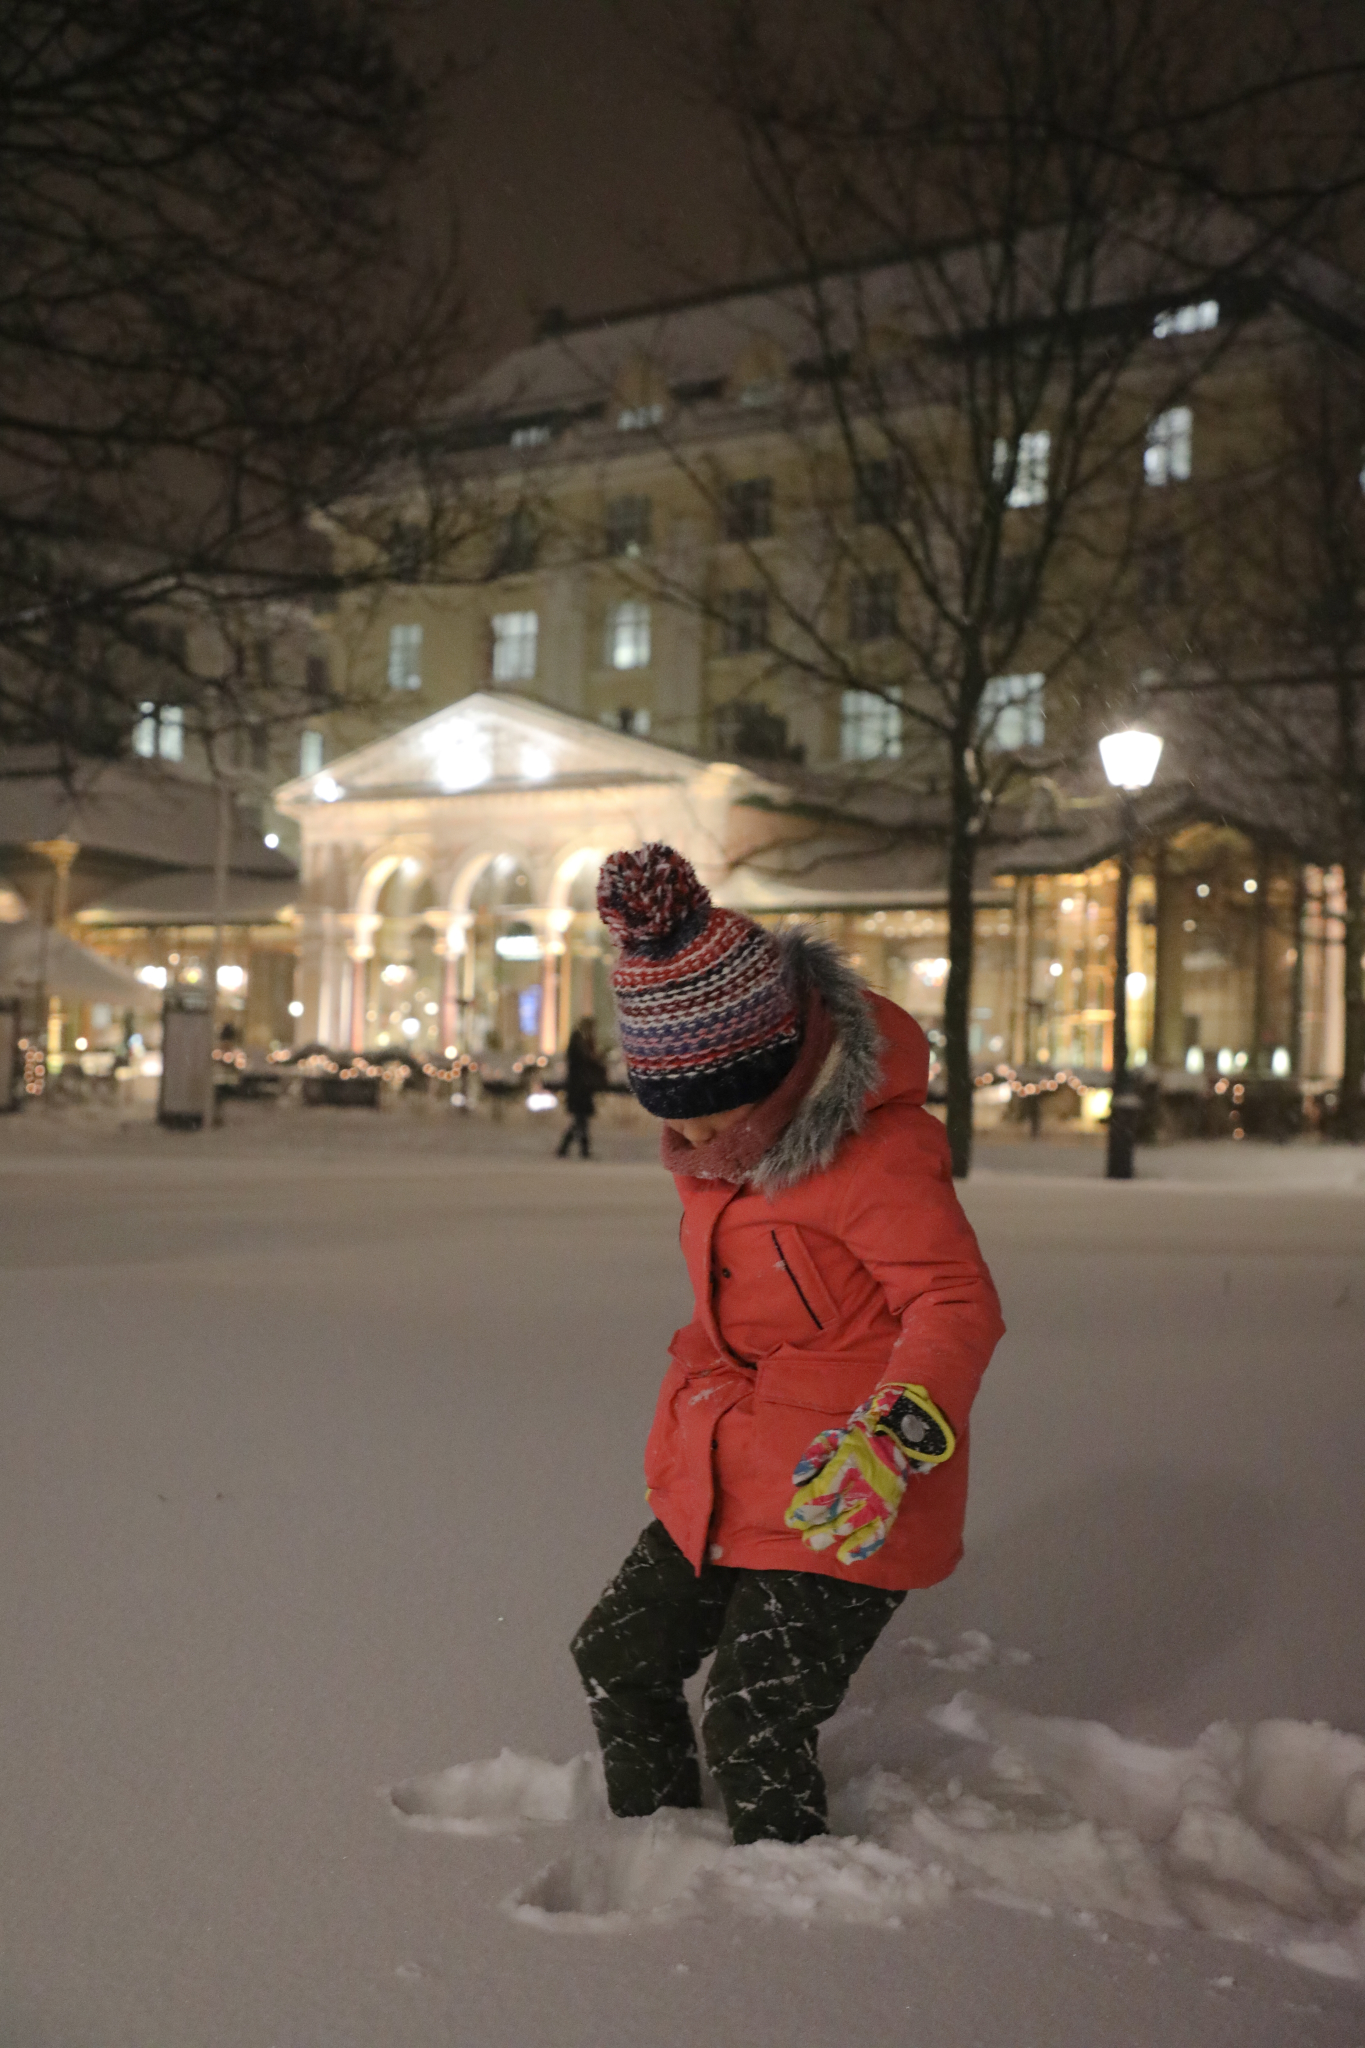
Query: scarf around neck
(733, 1154)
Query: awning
(34, 957)
(186, 897)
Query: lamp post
(1130, 760)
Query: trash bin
(186, 1062)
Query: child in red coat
(808, 1459)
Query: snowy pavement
(320, 1435)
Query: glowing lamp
(1130, 758)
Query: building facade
(448, 890)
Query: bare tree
(215, 303)
(1005, 309)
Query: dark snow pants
(786, 1644)
(577, 1129)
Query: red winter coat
(810, 1296)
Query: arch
(566, 870)
(380, 870)
(470, 871)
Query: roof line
(553, 325)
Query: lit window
(628, 635)
(1012, 713)
(1031, 460)
(144, 732)
(1169, 455)
(1196, 318)
(870, 727)
(405, 657)
(749, 509)
(160, 732)
(530, 437)
(872, 606)
(514, 646)
(310, 753)
(744, 621)
(629, 521)
(635, 419)
(171, 737)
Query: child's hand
(851, 1481)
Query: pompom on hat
(707, 1021)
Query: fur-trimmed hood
(865, 1065)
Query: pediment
(489, 741)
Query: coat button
(725, 1272)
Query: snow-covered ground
(318, 1436)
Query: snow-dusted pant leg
(789, 1647)
(645, 1637)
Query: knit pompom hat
(706, 1019)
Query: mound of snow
(1253, 1834)
(502, 1795)
(1256, 1834)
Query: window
(160, 732)
(531, 436)
(311, 753)
(405, 657)
(869, 727)
(317, 683)
(518, 545)
(743, 620)
(872, 606)
(1012, 713)
(637, 419)
(1031, 461)
(628, 635)
(1162, 572)
(1169, 455)
(171, 738)
(629, 523)
(628, 718)
(746, 730)
(1196, 318)
(749, 509)
(407, 551)
(879, 493)
(514, 646)
(1013, 576)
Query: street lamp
(1130, 760)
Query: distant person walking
(587, 1077)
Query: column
(554, 976)
(457, 987)
(1168, 1047)
(1333, 975)
(1023, 971)
(360, 952)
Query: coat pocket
(831, 1386)
(804, 1276)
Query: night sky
(583, 176)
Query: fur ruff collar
(826, 1105)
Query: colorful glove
(851, 1481)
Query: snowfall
(320, 1434)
